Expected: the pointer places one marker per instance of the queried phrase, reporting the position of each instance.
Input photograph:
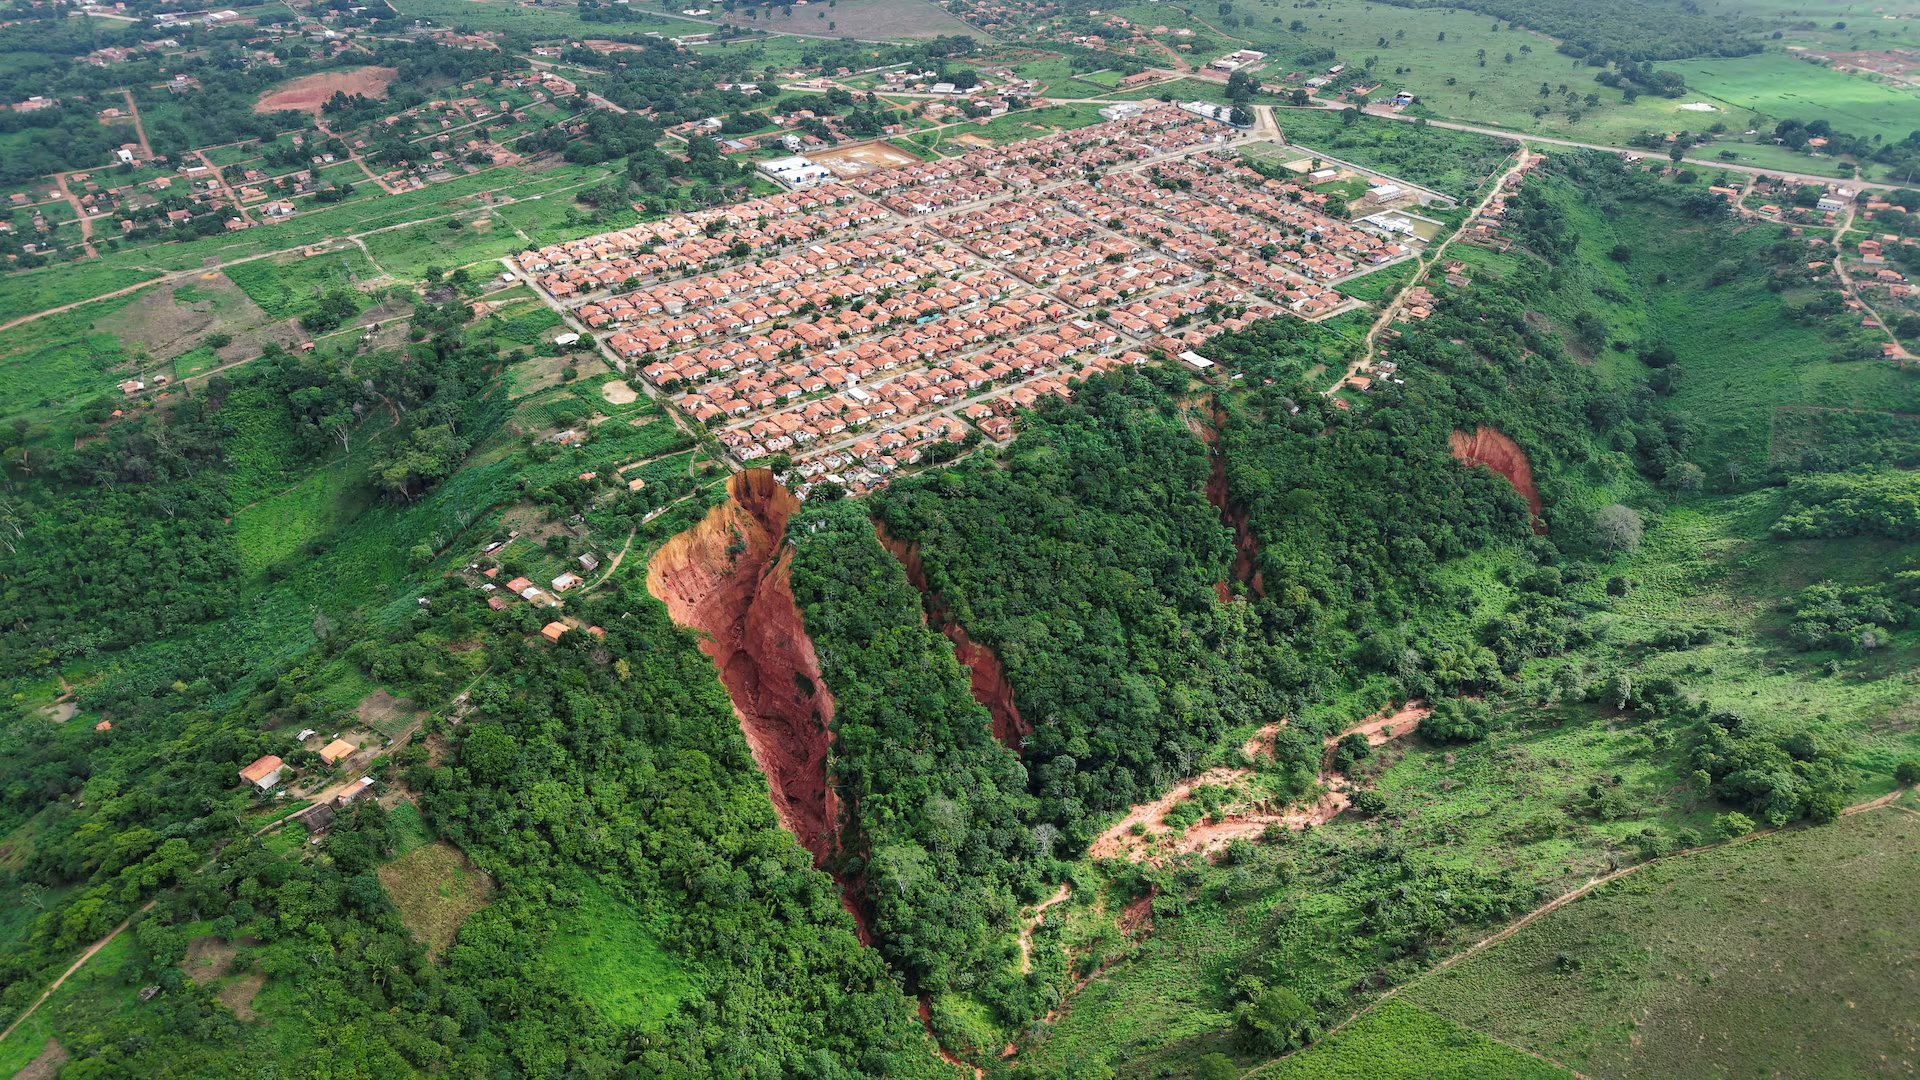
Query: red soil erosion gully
(730, 576)
(1487, 446)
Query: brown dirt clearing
(167, 326)
(47, 1065)
(436, 889)
(853, 161)
(618, 393)
(207, 958)
(308, 92)
(238, 995)
(384, 713)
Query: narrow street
(79, 211)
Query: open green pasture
(1401, 1042)
(1779, 86)
(1790, 954)
(616, 961)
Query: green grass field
(1778, 86)
(1408, 51)
(615, 961)
(1453, 163)
(1787, 955)
(292, 285)
(1400, 1042)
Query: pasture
(1778, 86)
(1788, 954)
(1400, 1042)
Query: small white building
(796, 172)
(1121, 110)
(1196, 361)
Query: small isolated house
(356, 791)
(337, 750)
(553, 630)
(518, 585)
(566, 581)
(263, 773)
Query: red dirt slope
(990, 686)
(1489, 447)
(1246, 550)
(744, 601)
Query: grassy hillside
(1789, 953)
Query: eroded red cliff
(1246, 550)
(730, 576)
(989, 680)
(1490, 447)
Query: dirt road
(1900, 352)
(1420, 271)
(71, 968)
(79, 211)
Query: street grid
(855, 325)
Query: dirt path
(1900, 352)
(180, 275)
(221, 179)
(80, 212)
(1033, 923)
(354, 157)
(75, 966)
(139, 128)
(1563, 900)
(1431, 258)
(615, 564)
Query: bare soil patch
(618, 393)
(381, 710)
(238, 995)
(60, 713)
(47, 1065)
(435, 888)
(308, 92)
(170, 321)
(1487, 446)
(851, 161)
(207, 958)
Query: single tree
(1618, 527)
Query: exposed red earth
(309, 92)
(1246, 550)
(1487, 446)
(990, 686)
(729, 576)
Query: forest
(1636, 30)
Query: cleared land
(616, 962)
(309, 92)
(1400, 1042)
(865, 158)
(435, 888)
(867, 20)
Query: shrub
(1457, 720)
(1733, 826)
